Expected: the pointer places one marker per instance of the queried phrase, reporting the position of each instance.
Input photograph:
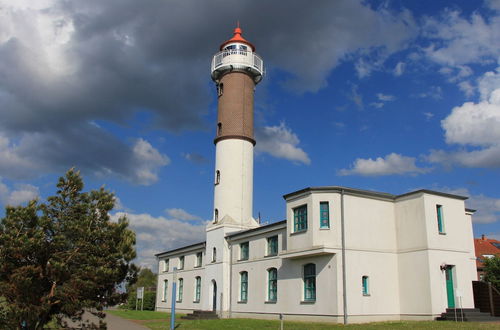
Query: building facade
(341, 254)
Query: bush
(149, 301)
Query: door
(214, 298)
(449, 287)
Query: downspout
(344, 293)
(230, 279)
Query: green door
(449, 287)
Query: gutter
(344, 293)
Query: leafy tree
(146, 278)
(492, 271)
(59, 257)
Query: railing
(237, 57)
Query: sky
(391, 96)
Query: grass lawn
(160, 320)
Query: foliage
(59, 257)
(149, 301)
(146, 278)
(492, 271)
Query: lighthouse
(236, 69)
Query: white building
(341, 255)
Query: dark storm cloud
(77, 61)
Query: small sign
(140, 293)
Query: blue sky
(390, 96)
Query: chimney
(483, 237)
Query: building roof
(256, 230)
(238, 38)
(369, 193)
(186, 247)
(485, 246)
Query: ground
(160, 320)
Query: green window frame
(199, 258)
(310, 282)
(324, 215)
(180, 290)
(272, 245)
(300, 218)
(165, 290)
(244, 251)
(272, 285)
(197, 290)
(365, 285)
(440, 219)
(243, 286)
(181, 262)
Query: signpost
(174, 296)
(140, 295)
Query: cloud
(356, 97)
(428, 115)
(385, 97)
(475, 125)
(434, 92)
(399, 69)
(456, 41)
(195, 158)
(20, 195)
(280, 142)
(159, 234)
(181, 214)
(392, 164)
(148, 161)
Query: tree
(492, 271)
(61, 257)
(146, 278)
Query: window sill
(307, 302)
(299, 232)
(366, 295)
(196, 301)
(197, 266)
(163, 300)
(271, 255)
(242, 259)
(178, 301)
(442, 233)
(270, 302)
(324, 228)
(242, 302)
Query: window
(272, 245)
(219, 129)
(181, 290)
(243, 286)
(310, 282)
(181, 262)
(197, 289)
(324, 215)
(300, 218)
(220, 89)
(439, 213)
(272, 285)
(214, 255)
(216, 216)
(199, 257)
(217, 177)
(165, 289)
(244, 251)
(366, 288)
(166, 265)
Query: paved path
(113, 322)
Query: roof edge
(192, 246)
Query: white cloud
(392, 164)
(458, 41)
(385, 97)
(21, 194)
(149, 160)
(428, 115)
(434, 92)
(377, 105)
(356, 97)
(158, 234)
(280, 142)
(488, 83)
(181, 214)
(399, 69)
(467, 88)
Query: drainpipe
(344, 296)
(230, 279)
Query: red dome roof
(238, 38)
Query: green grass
(160, 320)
